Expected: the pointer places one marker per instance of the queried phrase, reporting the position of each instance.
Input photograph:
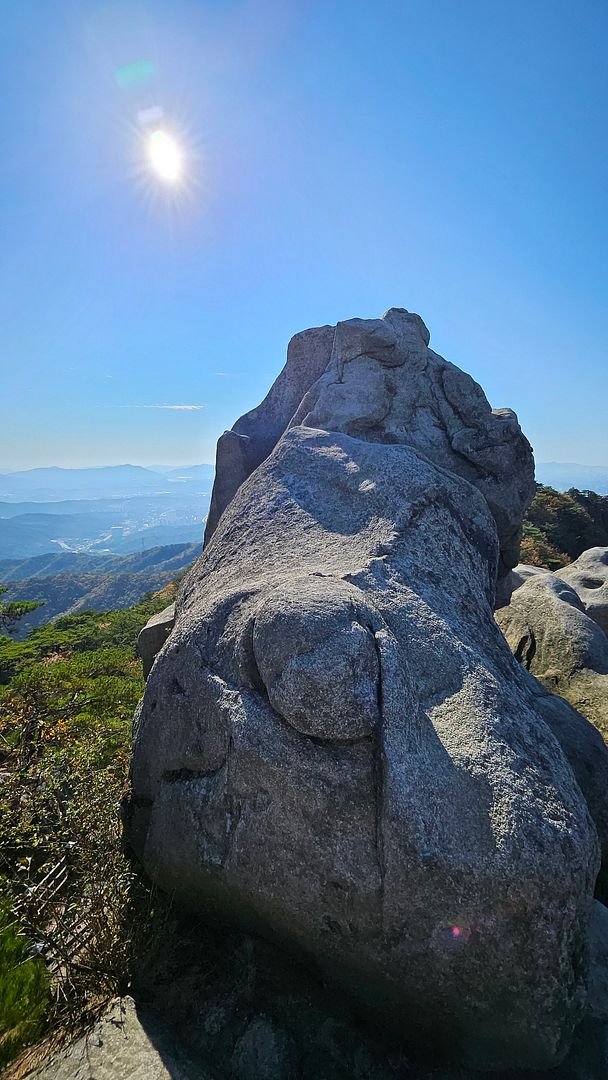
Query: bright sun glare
(165, 157)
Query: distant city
(114, 509)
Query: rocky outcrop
(255, 435)
(588, 576)
(125, 1043)
(336, 745)
(551, 633)
(523, 571)
(514, 579)
(153, 636)
(350, 372)
(226, 1005)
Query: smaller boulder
(523, 571)
(153, 636)
(262, 1052)
(551, 633)
(588, 576)
(514, 580)
(566, 652)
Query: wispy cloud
(228, 374)
(181, 408)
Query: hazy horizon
(192, 464)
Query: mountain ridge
(112, 582)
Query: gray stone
(255, 434)
(153, 636)
(588, 1059)
(523, 571)
(512, 581)
(124, 1044)
(586, 751)
(262, 1052)
(550, 632)
(588, 576)
(378, 380)
(598, 980)
(336, 745)
(236, 1006)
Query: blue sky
(342, 157)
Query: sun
(165, 157)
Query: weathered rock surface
(336, 745)
(353, 374)
(255, 435)
(153, 636)
(550, 632)
(588, 576)
(513, 580)
(123, 1045)
(523, 571)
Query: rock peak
(378, 380)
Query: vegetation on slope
(98, 582)
(559, 526)
(67, 697)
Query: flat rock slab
(125, 1044)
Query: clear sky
(342, 157)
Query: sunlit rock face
(336, 745)
(378, 380)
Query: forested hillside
(68, 582)
(559, 526)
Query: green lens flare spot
(139, 71)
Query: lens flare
(165, 157)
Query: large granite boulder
(336, 745)
(588, 576)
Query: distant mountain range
(106, 481)
(98, 538)
(566, 474)
(70, 582)
(115, 509)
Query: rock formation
(153, 636)
(351, 372)
(588, 576)
(336, 745)
(549, 628)
(522, 572)
(255, 435)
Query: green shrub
(24, 990)
(559, 526)
(536, 550)
(68, 692)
